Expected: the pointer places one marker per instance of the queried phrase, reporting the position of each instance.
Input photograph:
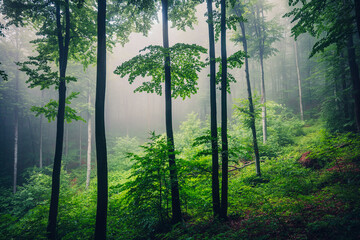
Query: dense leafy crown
(185, 63)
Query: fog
(137, 114)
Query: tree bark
(63, 57)
(88, 158)
(16, 130)
(299, 82)
(354, 71)
(101, 153)
(175, 195)
(224, 140)
(251, 105)
(263, 100)
(357, 15)
(41, 136)
(213, 117)
(344, 88)
(80, 145)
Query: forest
(180, 119)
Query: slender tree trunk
(354, 70)
(80, 145)
(263, 99)
(101, 152)
(224, 140)
(41, 136)
(88, 158)
(63, 56)
(175, 196)
(213, 119)
(260, 35)
(299, 82)
(251, 105)
(16, 130)
(344, 88)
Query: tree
(299, 82)
(262, 34)
(175, 201)
(101, 154)
(224, 140)
(185, 63)
(238, 10)
(180, 78)
(52, 21)
(213, 118)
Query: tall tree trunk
(101, 153)
(299, 82)
(175, 196)
(80, 145)
(63, 56)
(263, 99)
(41, 136)
(88, 158)
(224, 140)
(251, 105)
(357, 15)
(16, 130)
(213, 119)
(354, 70)
(261, 38)
(344, 88)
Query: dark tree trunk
(251, 105)
(213, 119)
(354, 70)
(357, 15)
(16, 130)
(224, 140)
(41, 136)
(101, 154)
(344, 88)
(175, 196)
(63, 56)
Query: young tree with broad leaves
(175, 66)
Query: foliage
(329, 21)
(185, 63)
(283, 127)
(50, 109)
(289, 201)
(233, 62)
(148, 191)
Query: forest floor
(311, 191)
